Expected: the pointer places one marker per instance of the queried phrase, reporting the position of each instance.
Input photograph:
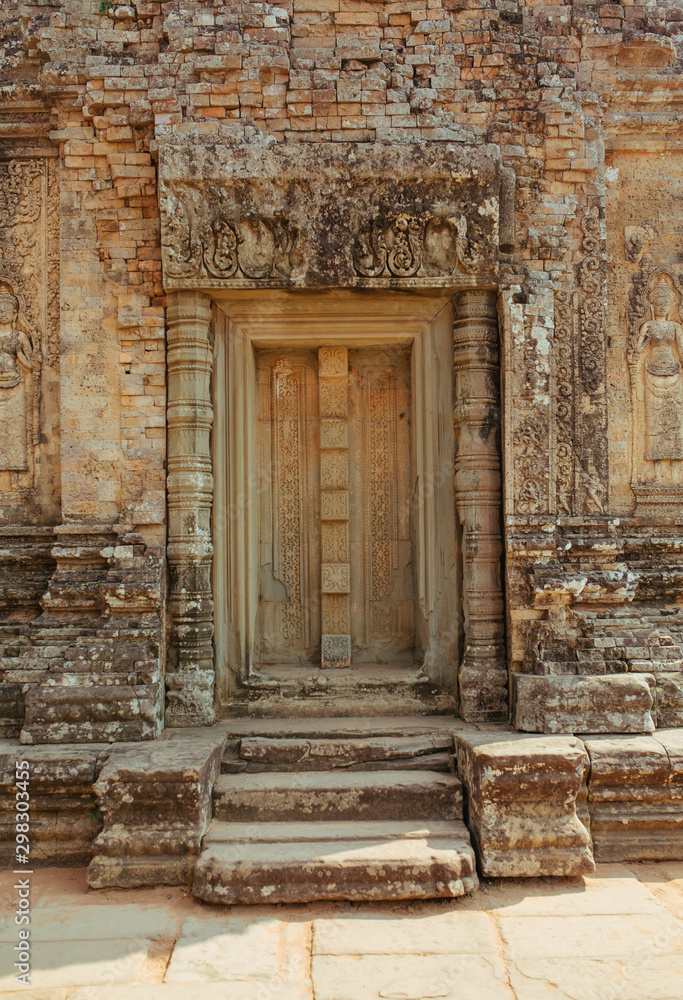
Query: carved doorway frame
(210, 344)
(348, 319)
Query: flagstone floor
(614, 935)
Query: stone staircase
(367, 810)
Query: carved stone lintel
(190, 681)
(483, 671)
(253, 215)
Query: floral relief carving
(592, 314)
(407, 245)
(530, 441)
(335, 578)
(564, 402)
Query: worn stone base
(357, 806)
(64, 817)
(524, 799)
(635, 796)
(156, 801)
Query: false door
(336, 572)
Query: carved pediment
(342, 214)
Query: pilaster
(483, 671)
(190, 677)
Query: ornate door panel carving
(336, 573)
(381, 552)
(287, 438)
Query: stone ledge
(64, 816)
(621, 703)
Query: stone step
(258, 753)
(440, 762)
(366, 690)
(324, 795)
(376, 867)
(221, 832)
(341, 727)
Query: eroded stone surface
(332, 796)
(635, 797)
(156, 801)
(525, 799)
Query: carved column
(483, 671)
(190, 676)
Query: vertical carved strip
(483, 672)
(594, 470)
(379, 418)
(333, 368)
(190, 680)
(287, 405)
(565, 447)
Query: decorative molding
(565, 447)
(483, 671)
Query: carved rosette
(483, 671)
(190, 677)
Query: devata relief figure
(16, 363)
(660, 345)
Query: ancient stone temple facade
(341, 377)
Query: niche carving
(17, 356)
(655, 359)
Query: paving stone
(80, 963)
(409, 977)
(634, 978)
(96, 922)
(447, 933)
(601, 936)
(611, 889)
(218, 948)
(234, 990)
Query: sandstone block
(620, 703)
(523, 799)
(635, 797)
(156, 800)
(64, 816)
(336, 869)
